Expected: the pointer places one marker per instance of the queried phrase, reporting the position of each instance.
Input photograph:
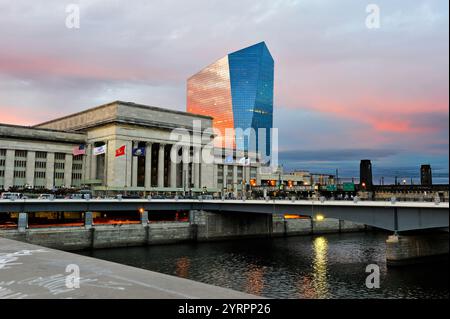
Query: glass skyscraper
(237, 91)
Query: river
(325, 266)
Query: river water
(325, 266)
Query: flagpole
(126, 166)
(106, 170)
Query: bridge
(420, 229)
(393, 216)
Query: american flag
(79, 150)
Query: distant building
(296, 178)
(237, 91)
(426, 175)
(365, 174)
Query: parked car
(130, 197)
(75, 196)
(46, 196)
(8, 195)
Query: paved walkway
(31, 271)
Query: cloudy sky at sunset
(343, 92)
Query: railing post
(88, 220)
(144, 218)
(22, 223)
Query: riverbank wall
(202, 226)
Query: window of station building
(2, 152)
(59, 165)
(2, 173)
(20, 153)
(78, 158)
(59, 175)
(2, 162)
(20, 163)
(38, 174)
(77, 166)
(40, 165)
(41, 155)
(77, 176)
(19, 174)
(60, 156)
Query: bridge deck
(397, 216)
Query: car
(131, 197)
(8, 195)
(46, 196)
(76, 196)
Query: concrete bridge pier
(411, 248)
(208, 226)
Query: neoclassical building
(121, 146)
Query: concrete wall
(215, 226)
(203, 226)
(167, 233)
(103, 236)
(306, 226)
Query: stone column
(173, 166)
(50, 172)
(93, 174)
(134, 166)
(68, 170)
(161, 165)
(246, 171)
(235, 180)
(9, 169)
(185, 154)
(196, 167)
(148, 165)
(225, 177)
(128, 166)
(87, 162)
(31, 157)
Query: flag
(139, 151)
(79, 150)
(120, 151)
(229, 159)
(244, 161)
(99, 150)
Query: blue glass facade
(251, 78)
(237, 91)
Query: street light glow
(320, 217)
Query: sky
(343, 91)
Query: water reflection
(320, 265)
(182, 267)
(255, 280)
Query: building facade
(237, 91)
(124, 147)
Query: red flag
(120, 151)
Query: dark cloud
(334, 155)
